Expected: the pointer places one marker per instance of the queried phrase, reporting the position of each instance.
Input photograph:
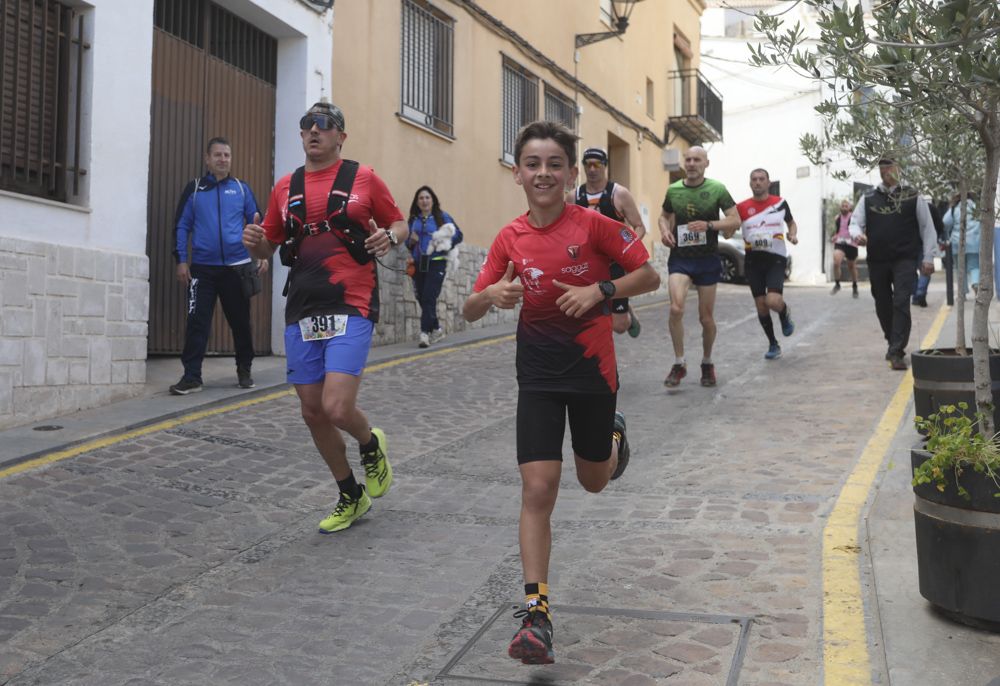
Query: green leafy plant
(956, 444)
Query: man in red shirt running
(556, 258)
(329, 215)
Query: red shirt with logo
(326, 279)
(763, 224)
(556, 352)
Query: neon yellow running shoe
(348, 511)
(378, 473)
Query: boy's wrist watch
(393, 239)
(607, 289)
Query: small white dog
(441, 241)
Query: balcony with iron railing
(697, 108)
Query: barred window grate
(559, 108)
(228, 37)
(184, 19)
(244, 46)
(520, 104)
(427, 59)
(41, 67)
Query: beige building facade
(434, 92)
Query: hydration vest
(605, 205)
(349, 232)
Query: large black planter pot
(942, 377)
(958, 547)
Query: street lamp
(619, 18)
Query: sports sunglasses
(324, 122)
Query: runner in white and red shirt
(764, 217)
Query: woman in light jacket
(952, 224)
(433, 233)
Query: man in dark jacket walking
(211, 214)
(895, 223)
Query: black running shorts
(765, 272)
(541, 424)
(850, 251)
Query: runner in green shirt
(690, 227)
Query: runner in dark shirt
(615, 201)
(556, 258)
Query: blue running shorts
(310, 361)
(703, 271)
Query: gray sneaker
(244, 380)
(185, 386)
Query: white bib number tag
(687, 238)
(323, 326)
(761, 243)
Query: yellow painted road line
(845, 643)
(106, 441)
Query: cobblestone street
(191, 555)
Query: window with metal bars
(41, 68)
(559, 108)
(242, 45)
(427, 62)
(184, 19)
(227, 37)
(520, 104)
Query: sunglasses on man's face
(323, 122)
(593, 164)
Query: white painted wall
(115, 143)
(74, 276)
(116, 105)
(765, 111)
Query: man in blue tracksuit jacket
(211, 214)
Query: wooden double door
(213, 75)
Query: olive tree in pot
(923, 59)
(956, 480)
(944, 375)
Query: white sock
(680, 361)
(706, 360)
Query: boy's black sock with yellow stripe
(536, 596)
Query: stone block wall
(73, 326)
(400, 314)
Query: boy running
(556, 258)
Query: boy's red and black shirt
(556, 352)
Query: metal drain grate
(473, 664)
